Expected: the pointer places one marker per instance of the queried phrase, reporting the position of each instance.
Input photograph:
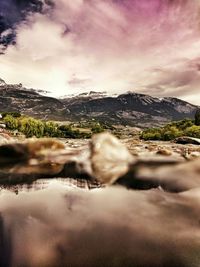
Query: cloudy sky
(66, 47)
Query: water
(56, 223)
(41, 184)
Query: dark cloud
(176, 81)
(13, 12)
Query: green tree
(50, 129)
(14, 114)
(193, 131)
(32, 127)
(197, 117)
(170, 133)
(183, 124)
(11, 122)
(97, 128)
(151, 134)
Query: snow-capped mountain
(126, 109)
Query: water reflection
(41, 184)
(54, 223)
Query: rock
(110, 159)
(187, 140)
(194, 154)
(164, 152)
(30, 149)
(43, 146)
(151, 148)
(2, 125)
(25, 162)
(105, 159)
(178, 178)
(4, 138)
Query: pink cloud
(113, 45)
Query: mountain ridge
(129, 108)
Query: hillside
(129, 109)
(126, 109)
(30, 102)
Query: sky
(70, 47)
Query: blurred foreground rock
(109, 158)
(103, 161)
(5, 138)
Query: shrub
(31, 127)
(193, 131)
(170, 133)
(50, 129)
(97, 128)
(183, 124)
(151, 134)
(166, 133)
(11, 122)
(66, 131)
(14, 114)
(34, 127)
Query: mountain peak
(2, 82)
(130, 108)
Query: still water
(60, 222)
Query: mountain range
(130, 108)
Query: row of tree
(33, 127)
(173, 130)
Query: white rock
(109, 158)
